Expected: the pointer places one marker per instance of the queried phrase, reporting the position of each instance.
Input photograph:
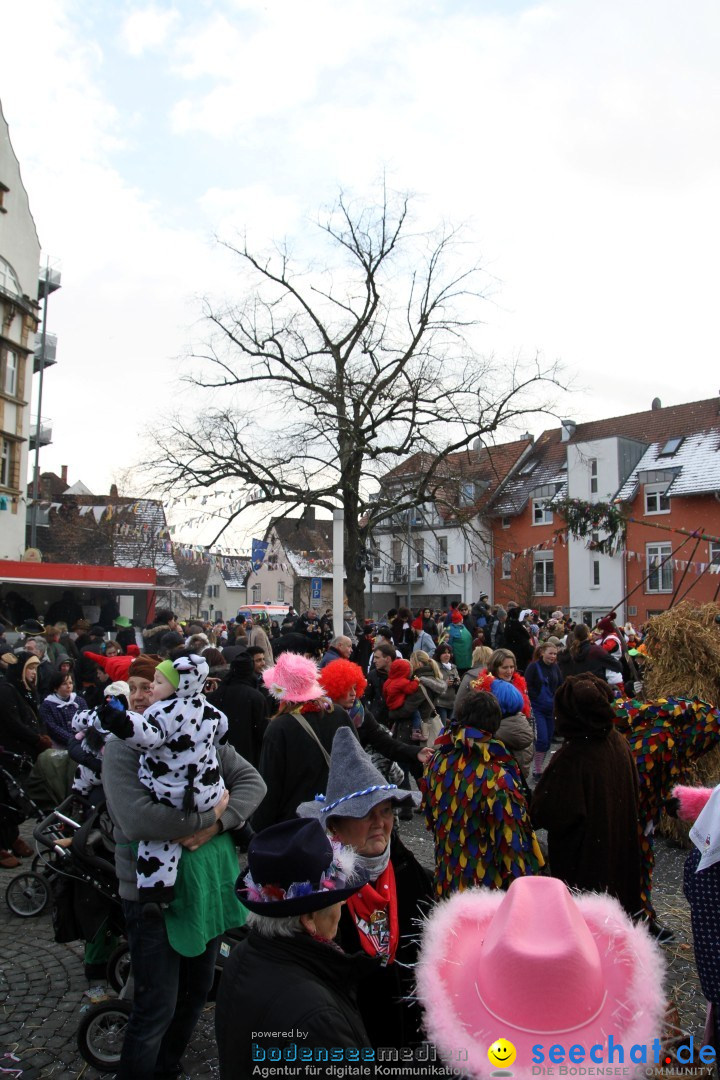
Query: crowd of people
(305, 750)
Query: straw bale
(683, 647)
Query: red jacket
(398, 685)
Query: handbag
(432, 727)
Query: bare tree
(322, 381)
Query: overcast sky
(579, 141)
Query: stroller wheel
(118, 967)
(101, 1034)
(27, 894)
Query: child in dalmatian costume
(91, 735)
(177, 734)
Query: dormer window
(467, 494)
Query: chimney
(528, 436)
(568, 429)
(656, 404)
(63, 474)
(113, 491)
(308, 517)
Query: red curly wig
(339, 675)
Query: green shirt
(205, 903)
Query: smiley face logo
(501, 1053)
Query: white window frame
(507, 561)
(506, 521)
(714, 555)
(654, 555)
(595, 573)
(654, 498)
(281, 592)
(541, 512)
(593, 476)
(256, 593)
(10, 372)
(6, 463)
(546, 560)
(442, 550)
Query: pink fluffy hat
(536, 965)
(294, 678)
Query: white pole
(338, 572)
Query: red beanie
(607, 623)
(456, 617)
(417, 624)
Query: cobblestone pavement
(42, 984)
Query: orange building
(663, 466)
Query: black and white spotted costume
(88, 727)
(178, 764)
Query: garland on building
(584, 519)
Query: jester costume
(476, 809)
(665, 737)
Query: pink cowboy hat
(536, 965)
(294, 678)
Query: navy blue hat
(294, 868)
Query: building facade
(19, 272)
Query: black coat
(373, 696)
(19, 727)
(248, 714)
(589, 657)
(587, 799)
(372, 734)
(292, 764)
(517, 639)
(283, 985)
(389, 1020)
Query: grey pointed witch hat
(354, 784)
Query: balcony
(45, 432)
(396, 575)
(50, 279)
(50, 351)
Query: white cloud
(147, 28)
(580, 141)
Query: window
(671, 447)
(506, 522)
(544, 574)
(714, 555)
(376, 560)
(6, 464)
(660, 573)
(467, 494)
(8, 278)
(595, 573)
(528, 468)
(507, 560)
(542, 513)
(593, 476)
(256, 592)
(10, 373)
(3, 192)
(281, 592)
(442, 550)
(656, 501)
(419, 557)
(210, 590)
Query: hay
(683, 647)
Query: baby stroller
(28, 892)
(78, 856)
